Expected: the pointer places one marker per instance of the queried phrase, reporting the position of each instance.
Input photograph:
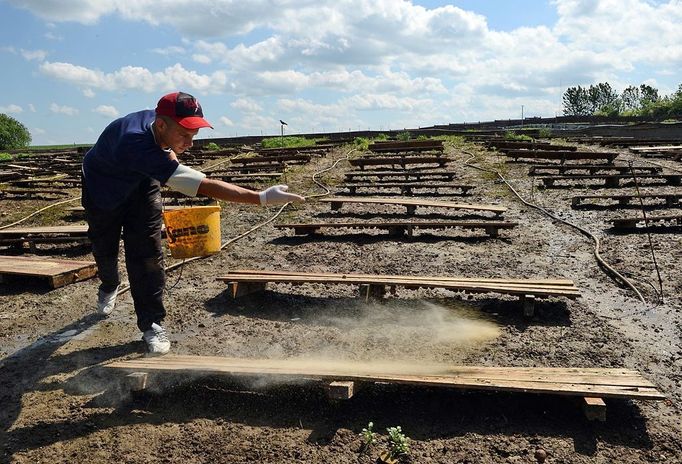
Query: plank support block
(239, 289)
(340, 390)
(136, 381)
(528, 305)
(594, 409)
(371, 291)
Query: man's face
(172, 135)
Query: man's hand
(278, 195)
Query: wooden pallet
(31, 236)
(591, 385)
(269, 160)
(401, 160)
(404, 174)
(561, 156)
(408, 188)
(502, 145)
(400, 228)
(57, 272)
(244, 282)
(655, 222)
(32, 193)
(411, 204)
(612, 181)
(411, 146)
(671, 200)
(541, 169)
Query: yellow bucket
(192, 232)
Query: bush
(381, 138)
(404, 136)
(212, 146)
(287, 142)
(5, 157)
(544, 132)
(361, 143)
(13, 134)
(511, 135)
(422, 137)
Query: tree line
(602, 100)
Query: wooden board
(58, 272)
(591, 382)
(415, 202)
(400, 227)
(518, 287)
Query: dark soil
(60, 405)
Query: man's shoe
(106, 301)
(156, 340)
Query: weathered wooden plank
(414, 202)
(58, 272)
(601, 382)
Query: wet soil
(60, 405)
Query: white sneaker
(157, 340)
(106, 301)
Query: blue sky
(70, 67)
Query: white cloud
(11, 109)
(225, 121)
(247, 105)
(38, 55)
(203, 59)
(88, 93)
(169, 51)
(31, 108)
(135, 77)
(107, 110)
(63, 109)
(38, 131)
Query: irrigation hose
(603, 264)
(39, 211)
(126, 287)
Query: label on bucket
(193, 231)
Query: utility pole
(521, 115)
(282, 132)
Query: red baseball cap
(184, 109)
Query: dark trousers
(139, 218)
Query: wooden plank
(482, 286)
(594, 408)
(58, 272)
(564, 282)
(78, 229)
(415, 202)
(600, 383)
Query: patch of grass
(404, 136)
(544, 132)
(361, 143)
(5, 157)
(212, 146)
(287, 142)
(511, 135)
(381, 138)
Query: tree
(575, 101)
(631, 98)
(647, 95)
(13, 134)
(603, 99)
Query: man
(122, 175)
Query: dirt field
(60, 405)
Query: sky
(70, 67)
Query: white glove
(277, 195)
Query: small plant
(381, 137)
(368, 436)
(422, 137)
(362, 143)
(544, 132)
(511, 135)
(5, 157)
(287, 142)
(398, 442)
(212, 146)
(403, 136)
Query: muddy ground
(60, 405)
